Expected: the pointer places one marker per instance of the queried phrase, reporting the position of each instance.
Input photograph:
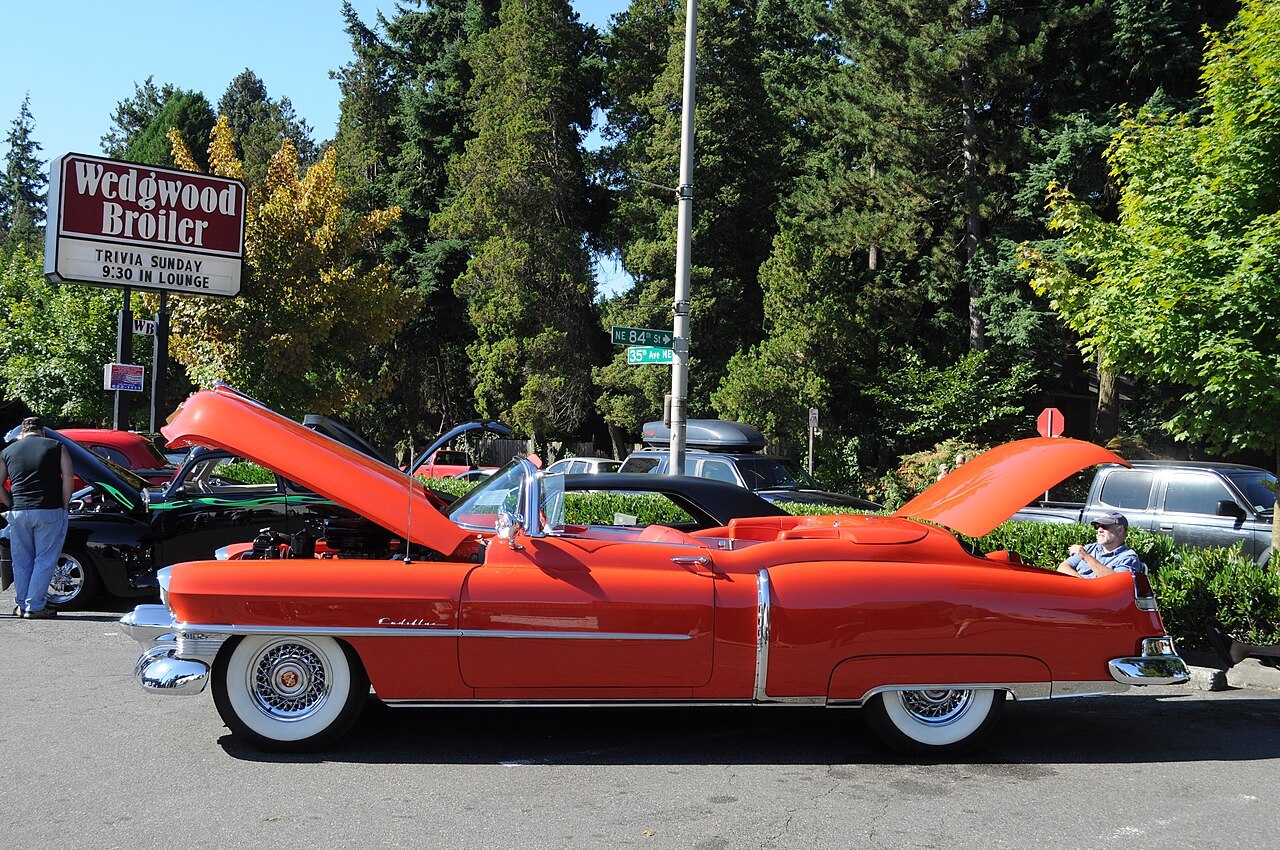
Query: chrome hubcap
(67, 580)
(936, 707)
(288, 681)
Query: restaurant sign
(119, 223)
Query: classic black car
(121, 529)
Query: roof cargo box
(721, 435)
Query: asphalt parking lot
(92, 761)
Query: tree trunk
(873, 253)
(621, 448)
(972, 218)
(1106, 425)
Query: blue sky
(78, 58)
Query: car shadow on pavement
(1127, 729)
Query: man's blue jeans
(35, 542)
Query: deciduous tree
(292, 337)
(1185, 287)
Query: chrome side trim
(764, 626)
(494, 633)
(203, 632)
(603, 703)
(1062, 690)
(1018, 690)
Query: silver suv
(728, 451)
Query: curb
(1207, 673)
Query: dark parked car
(122, 529)
(729, 451)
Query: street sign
(642, 336)
(123, 376)
(813, 417)
(146, 327)
(1050, 422)
(643, 356)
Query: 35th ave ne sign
(118, 223)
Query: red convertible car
(884, 612)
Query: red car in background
(439, 462)
(124, 448)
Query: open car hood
(992, 487)
(223, 418)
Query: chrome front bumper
(172, 662)
(1159, 664)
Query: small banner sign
(123, 376)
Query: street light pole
(684, 238)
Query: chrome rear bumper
(1159, 664)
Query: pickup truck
(1197, 503)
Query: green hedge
(244, 472)
(1196, 588)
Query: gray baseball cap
(1109, 518)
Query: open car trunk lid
(989, 489)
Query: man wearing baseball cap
(1106, 556)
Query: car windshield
(1257, 487)
(774, 473)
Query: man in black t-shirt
(40, 481)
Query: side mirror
(1227, 507)
(506, 526)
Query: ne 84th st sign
(124, 224)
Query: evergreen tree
(261, 124)
(516, 199)
(22, 190)
(134, 115)
(749, 57)
(191, 115)
(403, 116)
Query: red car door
(563, 613)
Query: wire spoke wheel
(283, 692)
(934, 720)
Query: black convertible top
(711, 503)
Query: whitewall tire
(288, 693)
(934, 721)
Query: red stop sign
(1050, 423)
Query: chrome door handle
(691, 560)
